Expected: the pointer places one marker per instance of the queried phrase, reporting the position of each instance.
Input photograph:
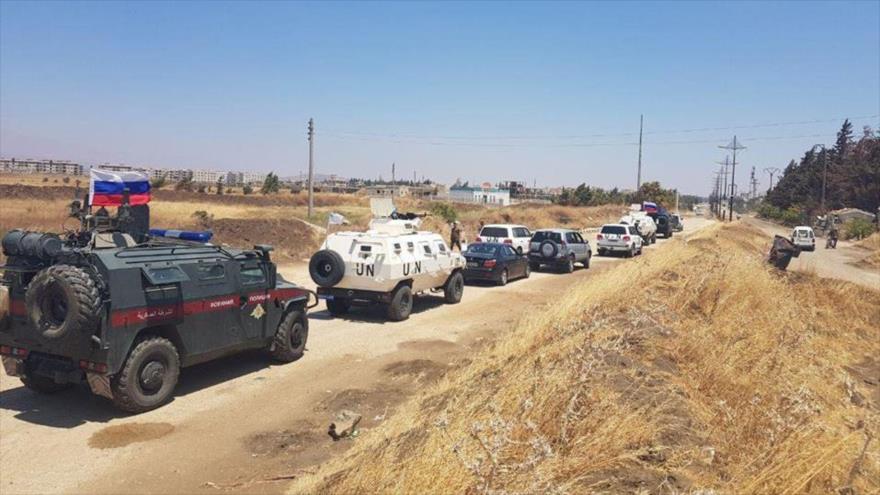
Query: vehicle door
(586, 244)
(521, 237)
(444, 257)
(253, 298)
(516, 263)
(210, 307)
(575, 247)
(425, 271)
(637, 239)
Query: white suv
(618, 237)
(804, 238)
(516, 236)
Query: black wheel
(654, 238)
(326, 268)
(568, 267)
(401, 303)
(502, 281)
(528, 272)
(148, 377)
(601, 252)
(669, 234)
(62, 299)
(454, 288)
(587, 260)
(338, 305)
(534, 267)
(41, 384)
(290, 339)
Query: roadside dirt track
(842, 263)
(247, 425)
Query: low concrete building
(30, 166)
(387, 191)
(485, 194)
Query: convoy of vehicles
(124, 308)
(495, 262)
(803, 237)
(619, 238)
(388, 264)
(517, 236)
(559, 249)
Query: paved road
(238, 421)
(841, 263)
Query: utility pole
(772, 171)
(393, 180)
(725, 165)
(639, 175)
(734, 146)
(753, 182)
(311, 166)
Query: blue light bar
(183, 234)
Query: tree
(185, 184)
(158, 182)
(220, 186)
(247, 189)
(271, 184)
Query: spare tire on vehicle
(326, 268)
(549, 249)
(62, 299)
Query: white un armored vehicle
(387, 264)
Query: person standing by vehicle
(455, 236)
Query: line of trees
(852, 179)
(584, 195)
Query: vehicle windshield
(482, 249)
(613, 229)
(802, 233)
(493, 232)
(543, 236)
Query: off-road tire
(75, 294)
(326, 268)
(454, 288)
(528, 270)
(535, 266)
(289, 342)
(401, 304)
(338, 306)
(127, 387)
(551, 254)
(601, 252)
(41, 384)
(505, 275)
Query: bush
(157, 182)
(203, 218)
(247, 189)
(444, 211)
(858, 228)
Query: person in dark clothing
(832, 238)
(455, 237)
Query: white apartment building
(30, 166)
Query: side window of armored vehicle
(211, 272)
(252, 274)
(441, 246)
(426, 248)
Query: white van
(516, 236)
(804, 238)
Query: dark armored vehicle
(124, 311)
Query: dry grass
(726, 375)
(871, 243)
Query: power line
(398, 135)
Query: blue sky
(546, 92)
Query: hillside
(726, 375)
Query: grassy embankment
(695, 367)
(871, 244)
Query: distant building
(845, 215)
(485, 194)
(208, 176)
(30, 166)
(119, 168)
(387, 191)
(171, 175)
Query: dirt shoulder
(843, 263)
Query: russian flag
(649, 207)
(106, 187)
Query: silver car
(559, 248)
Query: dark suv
(560, 249)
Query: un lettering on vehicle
(413, 268)
(365, 269)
